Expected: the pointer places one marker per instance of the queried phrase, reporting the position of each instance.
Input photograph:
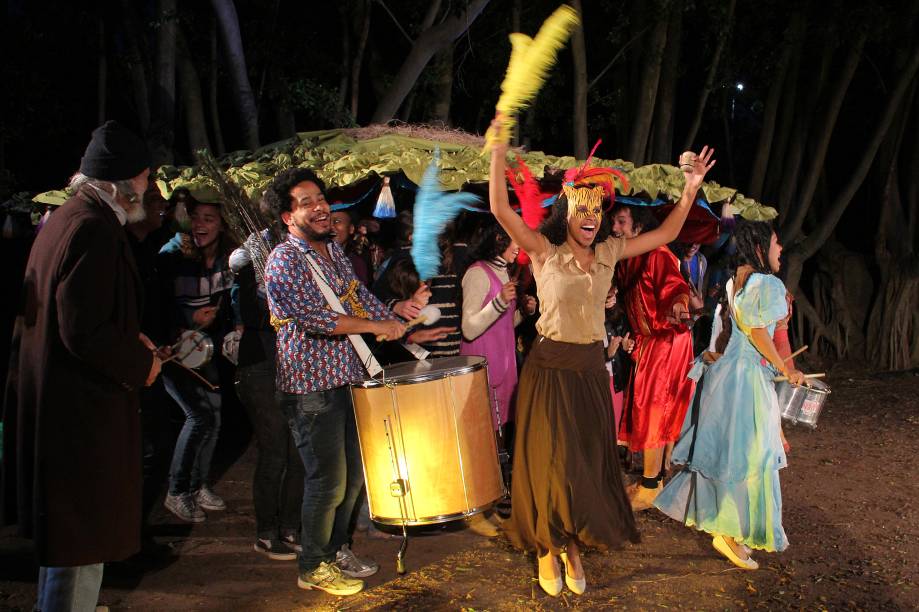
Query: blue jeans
(69, 589)
(191, 459)
(277, 485)
(325, 433)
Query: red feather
(530, 198)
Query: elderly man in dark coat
(72, 399)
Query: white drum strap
(363, 351)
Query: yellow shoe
(575, 585)
(642, 498)
(552, 586)
(725, 549)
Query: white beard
(136, 213)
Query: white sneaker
(207, 499)
(185, 507)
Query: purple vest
(496, 344)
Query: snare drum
(427, 441)
(194, 349)
(802, 404)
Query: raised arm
(528, 239)
(694, 170)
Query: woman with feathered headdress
(567, 490)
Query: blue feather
(434, 209)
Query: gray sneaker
(184, 507)
(292, 541)
(207, 499)
(329, 578)
(352, 566)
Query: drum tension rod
(398, 489)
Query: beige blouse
(571, 300)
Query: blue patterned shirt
(309, 358)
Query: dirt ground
(850, 511)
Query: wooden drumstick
(190, 371)
(429, 315)
(806, 376)
(420, 319)
(796, 353)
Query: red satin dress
(658, 393)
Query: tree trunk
(662, 149)
(269, 51)
(726, 120)
(794, 36)
(797, 255)
(787, 117)
(135, 64)
(405, 111)
(837, 94)
(894, 250)
(359, 57)
(647, 93)
(793, 157)
(344, 9)
(102, 77)
(192, 103)
(426, 45)
(443, 87)
(236, 58)
(216, 129)
(579, 59)
(165, 82)
(284, 116)
(710, 78)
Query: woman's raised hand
(497, 127)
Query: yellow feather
(528, 67)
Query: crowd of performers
(598, 326)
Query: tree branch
(838, 94)
(829, 221)
(427, 44)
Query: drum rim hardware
(383, 381)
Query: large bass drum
(427, 441)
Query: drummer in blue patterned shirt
(315, 364)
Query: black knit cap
(115, 153)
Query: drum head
(818, 385)
(194, 349)
(426, 369)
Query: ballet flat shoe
(575, 586)
(725, 549)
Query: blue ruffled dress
(730, 485)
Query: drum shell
(801, 404)
(443, 447)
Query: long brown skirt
(567, 482)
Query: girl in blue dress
(731, 444)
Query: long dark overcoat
(72, 465)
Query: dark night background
(857, 230)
